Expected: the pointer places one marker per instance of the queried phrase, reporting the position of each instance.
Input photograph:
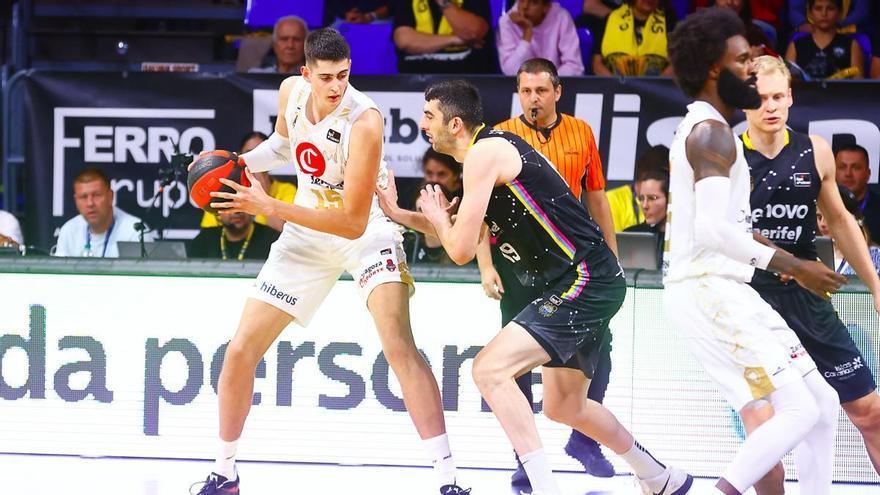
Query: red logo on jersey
(310, 160)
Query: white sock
(441, 456)
(540, 475)
(795, 414)
(815, 454)
(225, 463)
(643, 464)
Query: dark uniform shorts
(825, 338)
(570, 319)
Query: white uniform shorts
(303, 265)
(741, 342)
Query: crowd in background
(821, 39)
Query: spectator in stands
(569, 144)
(99, 225)
(852, 206)
(757, 37)
(539, 28)
(277, 189)
(633, 40)
(444, 36)
(626, 209)
(853, 173)
(356, 11)
(237, 238)
(594, 14)
(288, 45)
(443, 170)
(10, 230)
(653, 187)
(825, 53)
(763, 13)
(854, 15)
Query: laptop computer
(159, 250)
(637, 250)
(825, 250)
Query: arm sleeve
(268, 155)
(712, 229)
(570, 61)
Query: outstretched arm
(410, 219)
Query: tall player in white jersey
(744, 346)
(333, 133)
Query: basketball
(206, 172)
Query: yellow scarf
(425, 19)
(620, 34)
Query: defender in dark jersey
(793, 174)
(569, 145)
(546, 239)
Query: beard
(738, 93)
(236, 228)
(442, 143)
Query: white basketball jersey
(320, 151)
(682, 259)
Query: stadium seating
(497, 8)
(586, 38)
(264, 13)
(576, 7)
(372, 49)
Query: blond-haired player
(793, 175)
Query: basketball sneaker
(519, 482)
(217, 485)
(454, 490)
(671, 481)
(587, 452)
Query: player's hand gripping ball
(205, 174)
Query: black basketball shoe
(217, 485)
(454, 490)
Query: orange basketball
(206, 172)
